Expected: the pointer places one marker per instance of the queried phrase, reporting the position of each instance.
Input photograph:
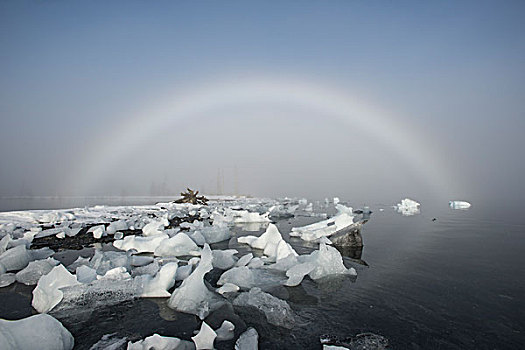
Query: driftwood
(192, 197)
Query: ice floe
(47, 293)
(408, 207)
(313, 232)
(462, 205)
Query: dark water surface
(453, 283)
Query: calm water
(454, 283)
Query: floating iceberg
(178, 245)
(193, 296)
(408, 207)
(276, 311)
(38, 332)
(313, 232)
(158, 286)
(239, 276)
(47, 293)
(462, 205)
(271, 242)
(15, 259)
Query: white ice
(225, 331)
(313, 232)
(459, 205)
(157, 287)
(158, 342)
(38, 332)
(15, 259)
(36, 269)
(205, 338)
(178, 245)
(271, 242)
(249, 340)
(228, 288)
(193, 296)
(276, 311)
(224, 259)
(240, 276)
(141, 244)
(47, 293)
(408, 207)
(6, 279)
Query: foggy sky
(74, 75)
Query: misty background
(75, 75)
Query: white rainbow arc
(355, 113)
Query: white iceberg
(158, 342)
(140, 244)
(36, 269)
(224, 259)
(178, 245)
(47, 293)
(313, 232)
(240, 276)
(276, 311)
(461, 205)
(271, 242)
(205, 338)
(158, 286)
(408, 207)
(15, 259)
(193, 296)
(38, 332)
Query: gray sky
(364, 100)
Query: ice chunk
(228, 288)
(408, 207)
(459, 204)
(118, 235)
(4, 242)
(276, 311)
(86, 274)
(240, 276)
(225, 331)
(150, 269)
(15, 259)
(244, 216)
(97, 231)
(109, 342)
(313, 232)
(218, 232)
(141, 244)
(193, 296)
(336, 200)
(271, 242)
(36, 269)
(256, 263)
(60, 235)
(249, 340)
(205, 338)
(47, 293)
(158, 286)
(328, 261)
(184, 271)
(197, 237)
(137, 260)
(117, 273)
(158, 342)
(178, 245)
(224, 259)
(7, 279)
(155, 227)
(296, 273)
(119, 225)
(38, 332)
(244, 260)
